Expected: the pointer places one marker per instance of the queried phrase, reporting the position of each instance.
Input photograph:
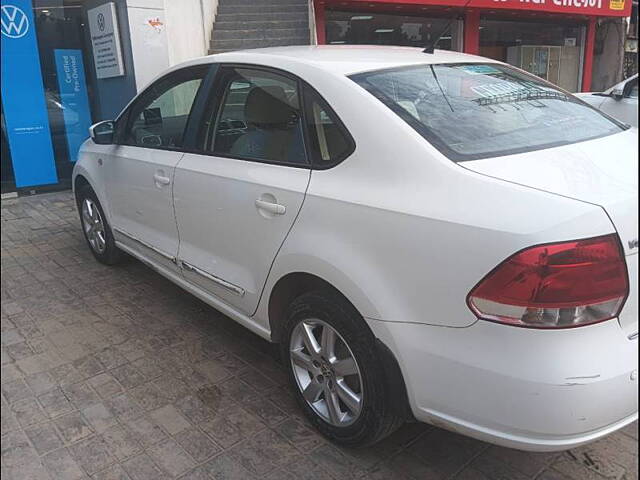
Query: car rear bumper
(537, 390)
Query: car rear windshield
(480, 110)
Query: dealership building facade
(69, 63)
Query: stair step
(260, 25)
(259, 34)
(222, 18)
(259, 9)
(242, 44)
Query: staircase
(241, 24)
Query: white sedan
(620, 101)
(438, 237)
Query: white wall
(167, 32)
(147, 26)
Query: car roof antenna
(432, 44)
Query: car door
(622, 102)
(237, 199)
(140, 171)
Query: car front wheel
(96, 229)
(338, 379)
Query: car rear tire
(96, 229)
(341, 389)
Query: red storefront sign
(604, 8)
(600, 8)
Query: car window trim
(124, 116)
(213, 104)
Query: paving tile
(55, 403)
(89, 366)
(194, 409)
(196, 444)
(8, 422)
(264, 452)
(149, 396)
(233, 426)
(122, 442)
(34, 470)
(306, 469)
(145, 430)
(105, 385)
(62, 466)
(224, 467)
(28, 412)
(443, 452)
(18, 351)
(300, 435)
(113, 472)
(81, 395)
(99, 417)
(44, 437)
(169, 418)
(336, 463)
(92, 454)
(142, 467)
(171, 457)
(73, 427)
(41, 382)
(128, 376)
(16, 390)
(198, 473)
(16, 450)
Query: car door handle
(274, 208)
(161, 179)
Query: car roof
(344, 59)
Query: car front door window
(159, 117)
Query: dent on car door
(141, 170)
(236, 201)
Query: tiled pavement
(114, 373)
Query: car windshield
(479, 110)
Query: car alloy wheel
(93, 226)
(326, 372)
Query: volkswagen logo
(15, 23)
(100, 21)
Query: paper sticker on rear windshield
(478, 69)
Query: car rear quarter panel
(404, 232)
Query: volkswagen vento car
(438, 237)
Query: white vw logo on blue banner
(15, 23)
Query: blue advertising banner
(73, 98)
(23, 97)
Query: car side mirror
(102, 132)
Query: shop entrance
(551, 51)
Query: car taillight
(556, 285)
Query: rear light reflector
(556, 285)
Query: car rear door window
(259, 118)
(329, 140)
(157, 119)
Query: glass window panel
(389, 29)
